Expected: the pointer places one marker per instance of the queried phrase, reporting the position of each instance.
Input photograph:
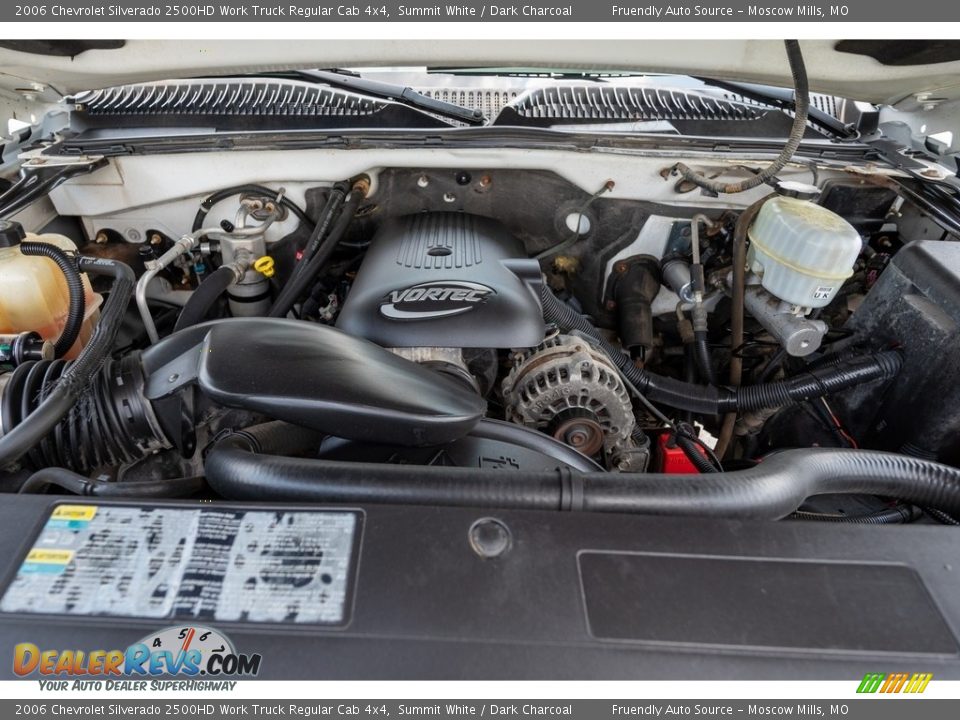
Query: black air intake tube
(770, 490)
(709, 400)
(110, 424)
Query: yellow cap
(264, 266)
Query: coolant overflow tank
(801, 251)
(34, 296)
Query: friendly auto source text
(674, 11)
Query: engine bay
(520, 312)
(539, 328)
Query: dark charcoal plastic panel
(757, 602)
(428, 607)
(445, 280)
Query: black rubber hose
(304, 277)
(278, 438)
(78, 303)
(235, 471)
(707, 400)
(770, 490)
(80, 485)
(887, 516)
(75, 381)
(251, 188)
(702, 354)
(334, 202)
(801, 101)
(199, 304)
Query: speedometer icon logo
(184, 638)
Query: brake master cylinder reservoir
(800, 254)
(33, 291)
(801, 251)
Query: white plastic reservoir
(801, 251)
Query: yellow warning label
(74, 512)
(49, 557)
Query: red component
(671, 459)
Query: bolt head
(489, 538)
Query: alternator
(571, 391)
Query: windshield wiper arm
(782, 98)
(397, 93)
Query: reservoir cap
(11, 233)
(798, 190)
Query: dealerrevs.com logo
(181, 651)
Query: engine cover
(445, 280)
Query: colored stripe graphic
(891, 683)
(918, 683)
(871, 682)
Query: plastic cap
(798, 190)
(265, 266)
(11, 233)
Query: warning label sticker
(180, 563)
